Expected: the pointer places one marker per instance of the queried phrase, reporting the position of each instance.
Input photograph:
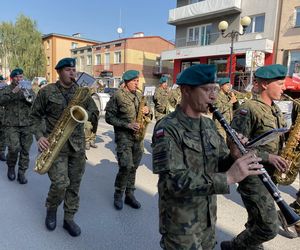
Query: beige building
(288, 47)
(59, 46)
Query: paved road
(22, 210)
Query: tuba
(142, 120)
(73, 115)
(290, 153)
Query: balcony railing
(204, 8)
(206, 40)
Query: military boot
(73, 229)
(93, 145)
(11, 173)
(50, 221)
(2, 156)
(21, 178)
(131, 200)
(226, 245)
(118, 200)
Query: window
(48, 61)
(74, 45)
(118, 45)
(257, 24)
(117, 57)
(48, 44)
(294, 62)
(195, 1)
(106, 61)
(89, 60)
(297, 22)
(199, 35)
(98, 59)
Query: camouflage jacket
(161, 102)
(50, 104)
(16, 108)
(225, 107)
(122, 109)
(254, 118)
(175, 97)
(187, 155)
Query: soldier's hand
(278, 162)
(134, 126)
(16, 89)
(43, 144)
(233, 98)
(146, 110)
(243, 167)
(234, 150)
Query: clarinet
(290, 216)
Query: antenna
(119, 29)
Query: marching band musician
(161, 99)
(68, 168)
(253, 118)
(226, 102)
(3, 84)
(121, 112)
(17, 125)
(189, 155)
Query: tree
(22, 46)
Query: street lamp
(223, 25)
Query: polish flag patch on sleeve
(243, 112)
(160, 133)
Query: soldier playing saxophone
(67, 169)
(121, 112)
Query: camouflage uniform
(175, 97)
(252, 119)
(121, 110)
(17, 124)
(161, 102)
(67, 170)
(2, 130)
(225, 107)
(187, 154)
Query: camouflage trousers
(19, 140)
(129, 155)
(65, 174)
(204, 240)
(2, 139)
(262, 224)
(89, 135)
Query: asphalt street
(22, 210)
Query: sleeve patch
(160, 133)
(243, 112)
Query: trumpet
(291, 99)
(25, 86)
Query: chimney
(138, 34)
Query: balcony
(203, 10)
(204, 40)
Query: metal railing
(202, 41)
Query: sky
(94, 19)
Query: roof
(70, 37)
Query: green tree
(22, 46)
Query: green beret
(66, 62)
(223, 80)
(163, 79)
(199, 74)
(130, 74)
(121, 82)
(274, 71)
(15, 72)
(1, 78)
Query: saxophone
(69, 119)
(291, 154)
(142, 120)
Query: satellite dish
(119, 30)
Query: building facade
(84, 59)
(58, 46)
(288, 48)
(198, 39)
(111, 59)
